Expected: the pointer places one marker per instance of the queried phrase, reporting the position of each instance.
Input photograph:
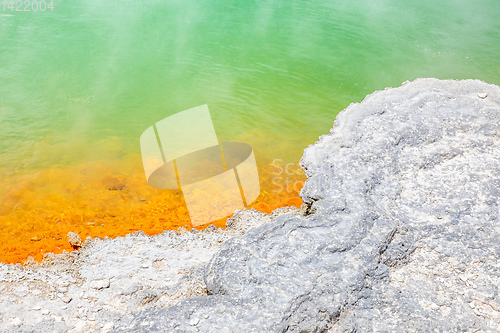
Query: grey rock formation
(401, 234)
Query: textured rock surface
(113, 279)
(401, 233)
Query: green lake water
(81, 82)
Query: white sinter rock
(401, 234)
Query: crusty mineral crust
(109, 280)
(402, 233)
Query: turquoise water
(82, 82)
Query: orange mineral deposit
(39, 209)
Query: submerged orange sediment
(94, 200)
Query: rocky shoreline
(400, 232)
(109, 280)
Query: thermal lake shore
(399, 232)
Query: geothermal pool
(80, 82)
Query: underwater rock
(401, 231)
(114, 183)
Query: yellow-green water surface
(274, 73)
